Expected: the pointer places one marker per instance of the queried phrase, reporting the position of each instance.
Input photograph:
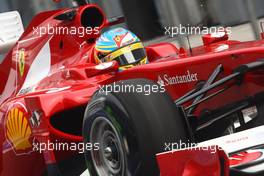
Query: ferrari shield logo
(21, 61)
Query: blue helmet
(121, 45)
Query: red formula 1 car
(57, 104)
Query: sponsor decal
(35, 119)
(39, 68)
(246, 157)
(21, 61)
(125, 39)
(118, 39)
(188, 77)
(18, 131)
(25, 91)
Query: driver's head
(121, 45)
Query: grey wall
(175, 12)
(112, 8)
(233, 12)
(147, 17)
(29, 8)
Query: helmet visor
(131, 54)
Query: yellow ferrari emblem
(118, 39)
(21, 61)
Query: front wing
(236, 154)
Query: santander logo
(188, 77)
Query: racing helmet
(121, 45)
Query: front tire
(131, 128)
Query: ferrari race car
(191, 112)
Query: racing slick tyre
(130, 128)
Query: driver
(122, 46)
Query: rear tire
(139, 126)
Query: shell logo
(18, 130)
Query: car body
(47, 81)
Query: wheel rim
(109, 159)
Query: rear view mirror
(102, 68)
(219, 36)
(116, 20)
(262, 29)
(10, 30)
